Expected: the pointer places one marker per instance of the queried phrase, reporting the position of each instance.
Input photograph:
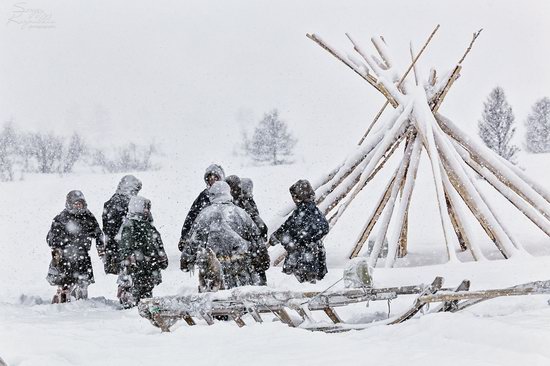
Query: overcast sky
(194, 73)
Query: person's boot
(80, 291)
(64, 296)
(56, 298)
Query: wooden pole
(425, 130)
(365, 232)
(500, 170)
(387, 156)
(528, 210)
(438, 99)
(368, 78)
(397, 237)
(460, 220)
(472, 197)
(390, 205)
(411, 66)
(358, 163)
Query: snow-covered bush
(46, 153)
(129, 158)
(496, 126)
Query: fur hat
(246, 187)
(302, 191)
(235, 185)
(129, 185)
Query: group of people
(223, 236)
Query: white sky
(192, 74)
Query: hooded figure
(212, 174)
(141, 254)
(114, 213)
(70, 238)
(235, 186)
(301, 236)
(229, 232)
(260, 257)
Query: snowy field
(96, 332)
(192, 76)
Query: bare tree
(47, 149)
(132, 157)
(75, 151)
(8, 152)
(271, 142)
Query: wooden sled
(295, 308)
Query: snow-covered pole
(528, 210)
(439, 97)
(424, 121)
(471, 196)
(390, 205)
(506, 175)
(368, 78)
(337, 196)
(408, 186)
(397, 131)
(373, 218)
(400, 81)
(462, 226)
(353, 163)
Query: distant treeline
(45, 152)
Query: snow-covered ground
(508, 331)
